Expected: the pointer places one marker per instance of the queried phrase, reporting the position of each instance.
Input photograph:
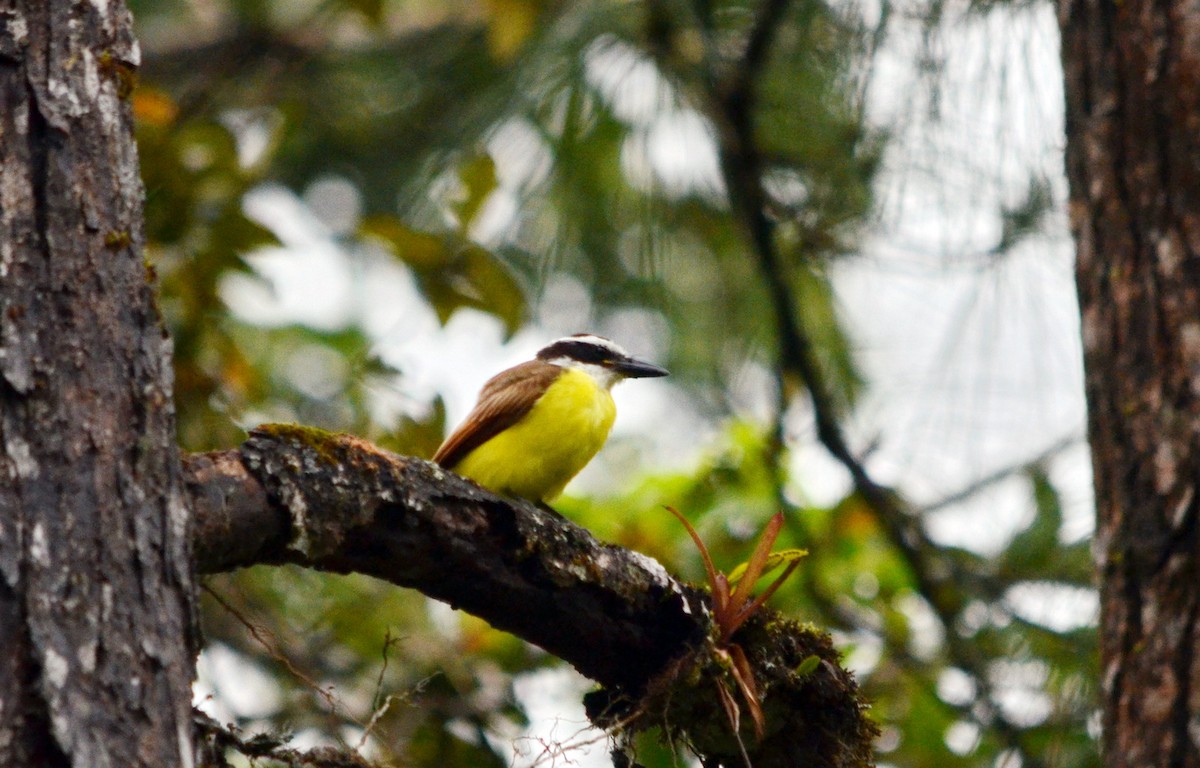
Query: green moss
(117, 240)
(814, 713)
(327, 445)
(121, 73)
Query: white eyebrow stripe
(599, 341)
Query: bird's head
(603, 359)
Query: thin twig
(266, 639)
(381, 710)
(1057, 448)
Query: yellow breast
(536, 457)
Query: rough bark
(1133, 159)
(335, 502)
(95, 583)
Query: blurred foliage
(593, 120)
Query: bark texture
(1133, 159)
(337, 503)
(95, 582)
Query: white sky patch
(823, 481)
(1018, 689)
(671, 148)
(1059, 607)
(336, 202)
(972, 358)
(228, 687)
(925, 630)
(553, 701)
(254, 130)
(675, 154)
(987, 521)
(316, 370)
(306, 279)
(446, 620)
(628, 80)
(862, 652)
(1024, 707)
(493, 224)
(521, 155)
(962, 737)
(956, 687)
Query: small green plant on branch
(732, 605)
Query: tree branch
(337, 503)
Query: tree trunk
(95, 583)
(1133, 159)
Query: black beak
(632, 368)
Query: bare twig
(982, 484)
(266, 639)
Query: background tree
(96, 589)
(1133, 108)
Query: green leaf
(774, 561)
(478, 177)
(496, 289)
(1037, 543)
(241, 235)
(372, 10)
(451, 271)
(418, 437)
(808, 666)
(419, 250)
(511, 23)
(1021, 221)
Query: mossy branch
(337, 503)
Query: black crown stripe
(583, 351)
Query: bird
(537, 424)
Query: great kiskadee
(538, 423)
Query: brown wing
(503, 401)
